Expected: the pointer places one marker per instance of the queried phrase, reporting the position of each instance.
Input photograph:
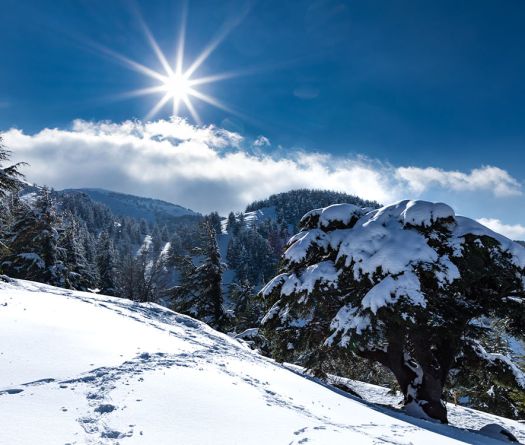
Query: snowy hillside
(135, 206)
(79, 368)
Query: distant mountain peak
(124, 204)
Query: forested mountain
(213, 268)
(291, 206)
(121, 204)
(150, 250)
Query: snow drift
(79, 368)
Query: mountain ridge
(124, 204)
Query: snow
(34, 257)
(345, 320)
(458, 416)
(79, 368)
(323, 272)
(273, 283)
(260, 215)
(145, 246)
(496, 431)
(248, 334)
(465, 226)
(339, 213)
(254, 218)
(165, 250)
(502, 359)
(302, 242)
(387, 245)
(422, 213)
(379, 240)
(391, 289)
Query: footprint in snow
(11, 391)
(105, 408)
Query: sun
(178, 87)
(176, 83)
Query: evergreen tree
(215, 221)
(231, 223)
(9, 176)
(132, 276)
(251, 255)
(34, 252)
(105, 262)
(7, 211)
(405, 286)
(247, 311)
(80, 273)
(156, 240)
(475, 386)
(200, 292)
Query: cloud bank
(208, 168)
(485, 178)
(512, 231)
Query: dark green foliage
(291, 206)
(33, 248)
(215, 222)
(80, 273)
(106, 264)
(199, 292)
(252, 256)
(422, 339)
(10, 176)
(247, 307)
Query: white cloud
(262, 141)
(512, 231)
(207, 168)
(489, 178)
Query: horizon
(420, 102)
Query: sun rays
(177, 84)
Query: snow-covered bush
(402, 285)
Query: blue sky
(408, 84)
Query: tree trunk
(422, 392)
(422, 388)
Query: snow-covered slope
(79, 368)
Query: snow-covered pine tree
(251, 255)
(145, 275)
(476, 387)
(80, 274)
(247, 310)
(8, 204)
(404, 285)
(199, 293)
(9, 176)
(215, 221)
(131, 275)
(105, 262)
(34, 252)
(231, 224)
(156, 240)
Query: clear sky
(386, 99)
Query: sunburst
(175, 83)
